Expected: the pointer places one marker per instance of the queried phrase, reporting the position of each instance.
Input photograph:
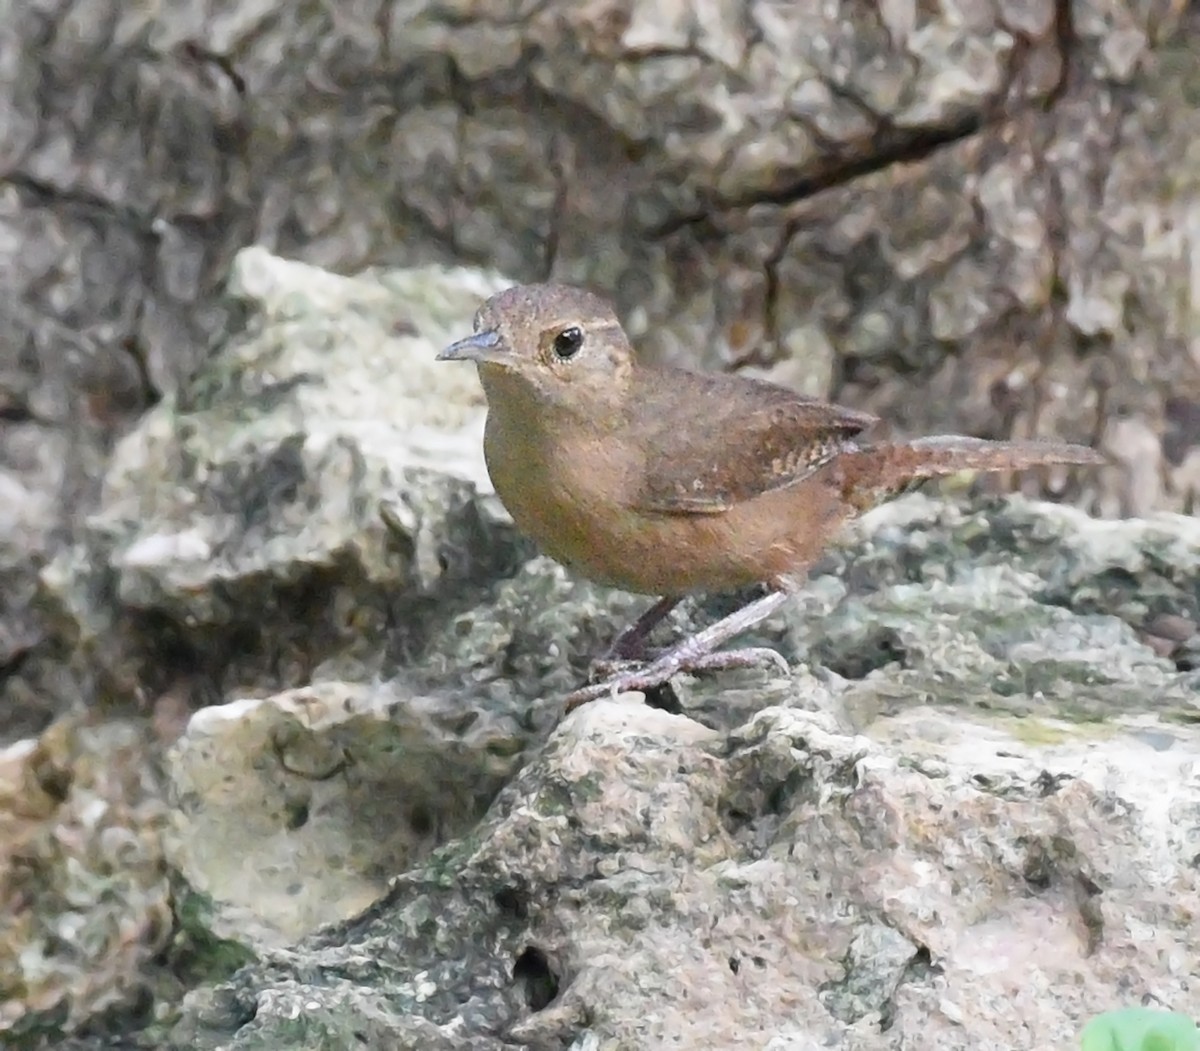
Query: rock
(296, 811)
(970, 811)
(648, 882)
(1029, 610)
(281, 535)
(298, 510)
(85, 894)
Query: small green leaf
(1141, 1029)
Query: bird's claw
(749, 657)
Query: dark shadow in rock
(664, 698)
(513, 902)
(534, 972)
(878, 649)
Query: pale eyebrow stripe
(594, 329)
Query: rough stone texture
(970, 816)
(297, 810)
(646, 882)
(300, 514)
(991, 201)
(85, 896)
(295, 508)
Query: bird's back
(707, 483)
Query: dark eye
(567, 343)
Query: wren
(663, 481)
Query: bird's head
(560, 345)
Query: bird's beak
(482, 346)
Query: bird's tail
(872, 474)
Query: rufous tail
(872, 474)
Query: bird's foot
(622, 676)
(698, 653)
(747, 657)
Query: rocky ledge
(322, 783)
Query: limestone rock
(968, 817)
(295, 811)
(298, 508)
(85, 894)
(646, 882)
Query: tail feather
(871, 474)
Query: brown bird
(667, 482)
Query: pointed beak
(482, 346)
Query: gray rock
(300, 508)
(645, 882)
(85, 891)
(295, 811)
(968, 817)
(963, 818)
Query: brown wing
(714, 441)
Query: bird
(669, 482)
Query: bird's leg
(696, 653)
(629, 648)
(630, 645)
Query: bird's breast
(574, 494)
(562, 490)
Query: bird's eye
(567, 343)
